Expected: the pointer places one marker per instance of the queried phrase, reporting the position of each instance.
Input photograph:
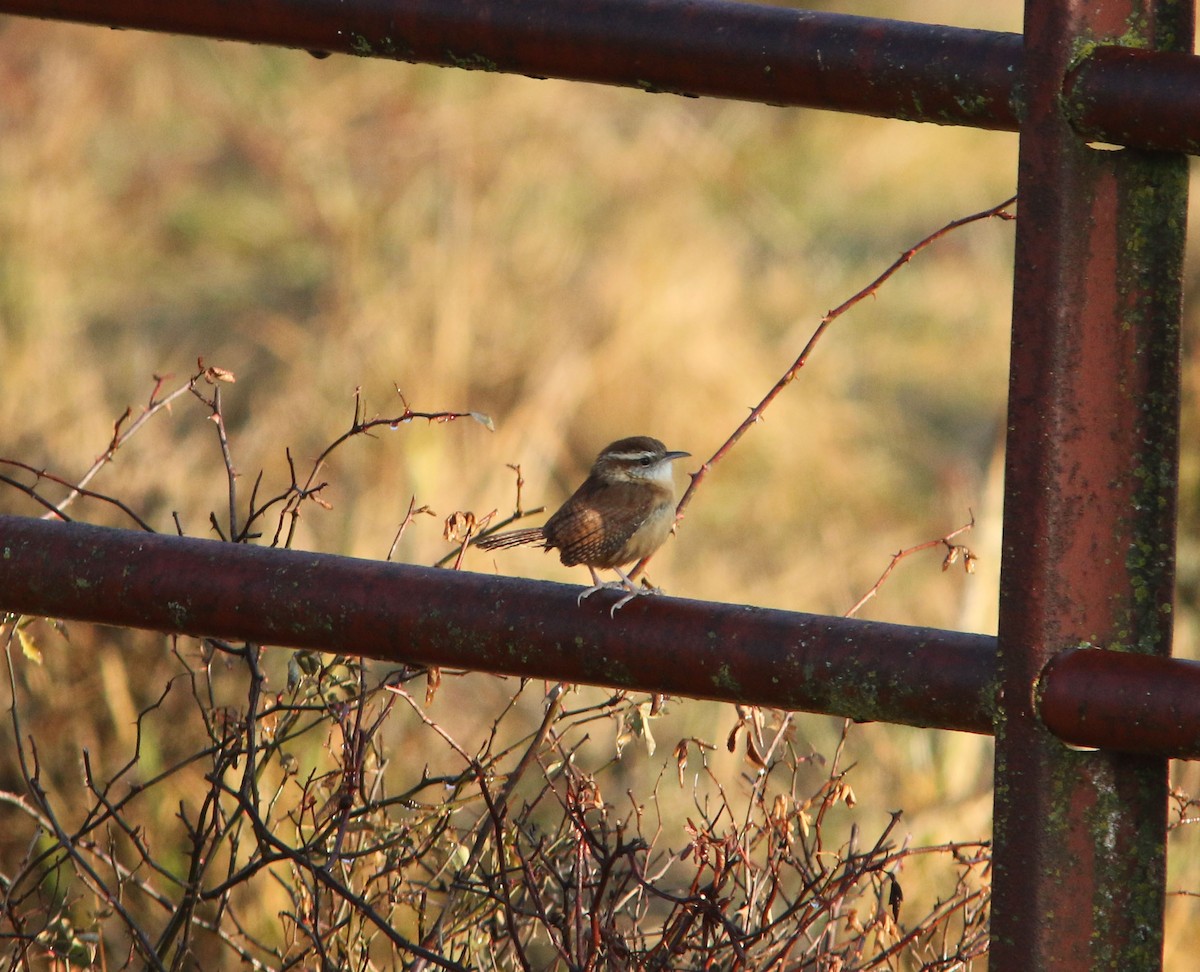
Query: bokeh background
(578, 262)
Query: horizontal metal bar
(1130, 96)
(745, 51)
(392, 612)
(776, 55)
(1123, 701)
(397, 613)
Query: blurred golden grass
(578, 262)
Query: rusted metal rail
(1122, 701)
(399, 613)
(777, 55)
(730, 50)
(1091, 467)
(392, 612)
(1144, 98)
(1091, 475)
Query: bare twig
(122, 435)
(409, 517)
(999, 211)
(954, 553)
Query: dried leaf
(484, 420)
(339, 682)
(458, 525)
(29, 643)
(638, 721)
(588, 797)
(753, 755)
(433, 681)
(623, 738)
(681, 758)
(212, 374)
(895, 898)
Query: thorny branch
(291, 499)
(121, 435)
(999, 211)
(954, 553)
(553, 878)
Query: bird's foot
(626, 584)
(600, 586)
(630, 595)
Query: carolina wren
(622, 513)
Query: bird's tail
(513, 538)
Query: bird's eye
(644, 461)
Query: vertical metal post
(1089, 505)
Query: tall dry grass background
(578, 262)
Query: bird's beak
(672, 456)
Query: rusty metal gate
(1083, 653)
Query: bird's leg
(632, 589)
(625, 584)
(599, 585)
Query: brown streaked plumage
(621, 513)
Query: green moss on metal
(1128, 873)
(471, 62)
(397, 50)
(179, 614)
(723, 679)
(1085, 47)
(974, 106)
(1151, 232)
(1138, 896)
(615, 673)
(990, 703)
(516, 650)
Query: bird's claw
(600, 586)
(625, 584)
(629, 596)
